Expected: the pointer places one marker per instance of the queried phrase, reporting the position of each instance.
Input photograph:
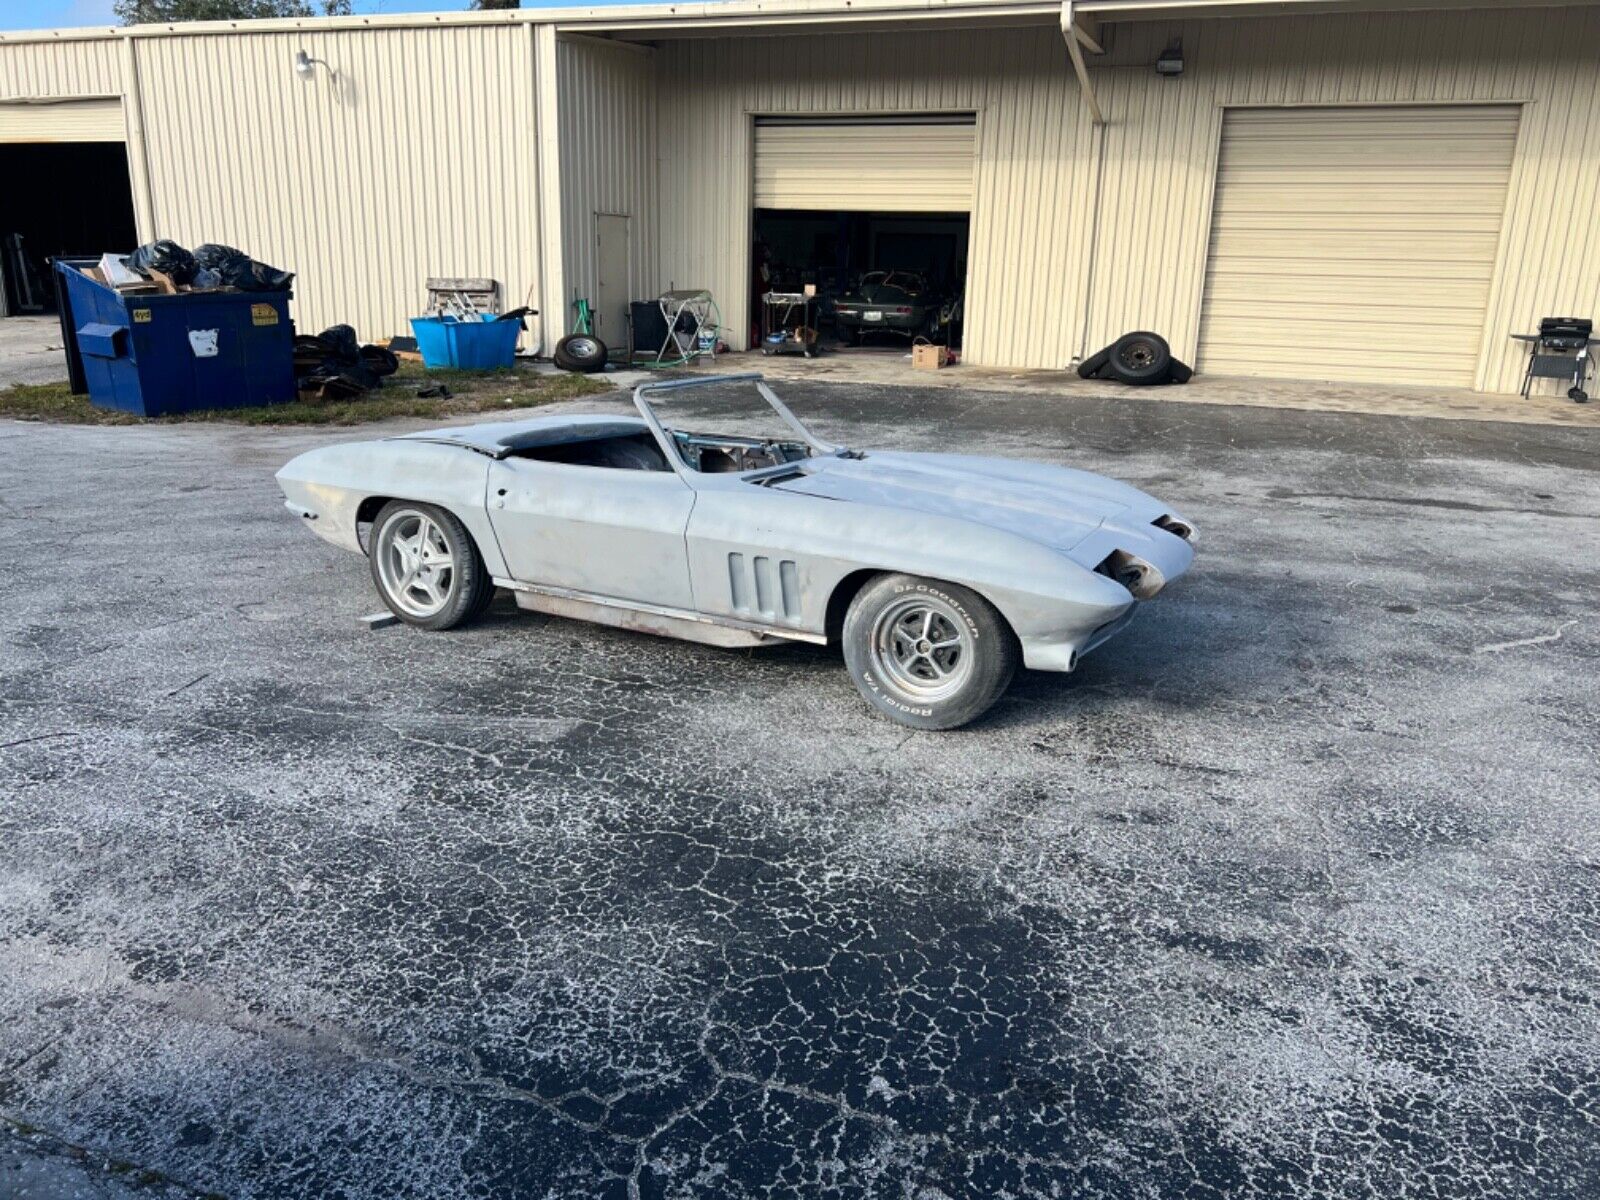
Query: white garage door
(1355, 244)
(871, 164)
(62, 121)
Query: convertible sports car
(936, 572)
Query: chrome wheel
(583, 347)
(922, 646)
(416, 563)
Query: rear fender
(326, 488)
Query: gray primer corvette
(741, 557)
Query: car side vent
(763, 587)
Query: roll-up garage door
(1355, 244)
(98, 120)
(867, 164)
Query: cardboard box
(927, 357)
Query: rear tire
(927, 654)
(581, 352)
(426, 566)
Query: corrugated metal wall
(64, 67)
(415, 162)
(1033, 261)
(608, 158)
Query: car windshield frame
(646, 392)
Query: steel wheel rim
(923, 647)
(417, 564)
(1138, 355)
(583, 347)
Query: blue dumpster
(157, 354)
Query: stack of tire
(1138, 359)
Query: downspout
(1077, 40)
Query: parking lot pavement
(30, 351)
(1291, 891)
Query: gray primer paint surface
(1294, 893)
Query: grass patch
(473, 392)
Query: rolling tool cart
(788, 325)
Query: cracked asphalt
(1292, 890)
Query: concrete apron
(892, 368)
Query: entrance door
(615, 288)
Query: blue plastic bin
(153, 355)
(481, 345)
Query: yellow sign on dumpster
(141, 316)
(263, 314)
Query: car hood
(1054, 506)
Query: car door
(598, 530)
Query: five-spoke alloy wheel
(931, 655)
(426, 567)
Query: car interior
(638, 451)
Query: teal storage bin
(482, 345)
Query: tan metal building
(1330, 189)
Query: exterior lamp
(1171, 61)
(305, 66)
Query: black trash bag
(336, 365)
(166, 256)
(237, 269)
(341, 343)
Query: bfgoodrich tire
(581, 352)
(426, 567)
(927, 654)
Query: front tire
(927, 654)
(426, 567)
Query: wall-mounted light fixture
(1171, 61)
(305, 66)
